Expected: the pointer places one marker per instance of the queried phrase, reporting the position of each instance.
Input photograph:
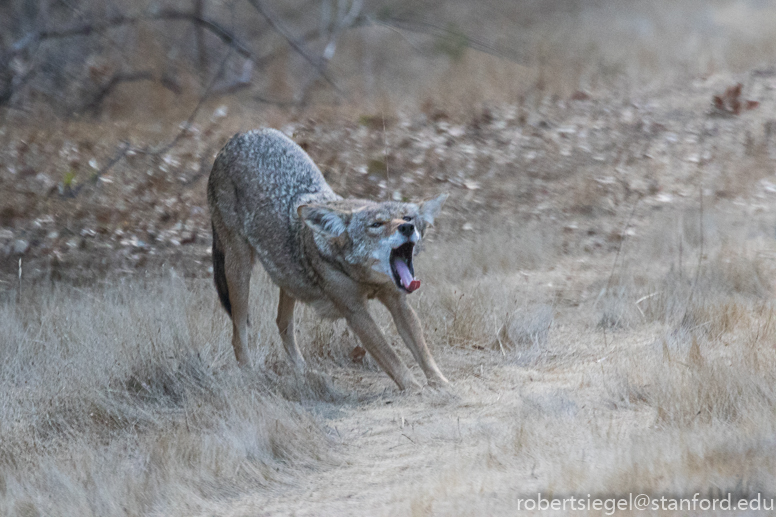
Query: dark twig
(200, 37)
(297, 45)
(617, 256)
(117, 79)
(126, 147)
(85, 29)
(120, 153)
(190, 120)
(432, 29)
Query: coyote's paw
(410, 385)
(438, 381)
(440, 395)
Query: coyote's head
(375, 242)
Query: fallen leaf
(579, 95)
(730, 102)
(357, 354)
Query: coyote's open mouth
(402, 269)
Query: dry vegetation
(604, 330)
(124, 398)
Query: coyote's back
(258, 180)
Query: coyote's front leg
(375, 343)
(408, 325)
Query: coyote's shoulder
(269, 201)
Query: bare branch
(121, 151)
(117, 79)
(31, 39)
(344, 21)
(125, 147)
(85, 29)
(432, 29)
(186, 125)
(199, 35)
(297, 45)
(240, 83)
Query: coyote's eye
(376, 224)
(407, 218)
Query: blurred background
(111, 112)
(113, 59)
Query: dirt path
(461, 451)
(397, 444)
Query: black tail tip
(219, 274)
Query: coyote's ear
(429, 209)
(325, 220)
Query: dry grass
(679, 399)
(673, 416)
(124, 399)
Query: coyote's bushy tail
(219, 273)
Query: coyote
(268, 200)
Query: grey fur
(269, 200)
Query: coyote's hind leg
(285, 322)
(238, 263)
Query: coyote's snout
(269, 201)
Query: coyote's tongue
(409, 283)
